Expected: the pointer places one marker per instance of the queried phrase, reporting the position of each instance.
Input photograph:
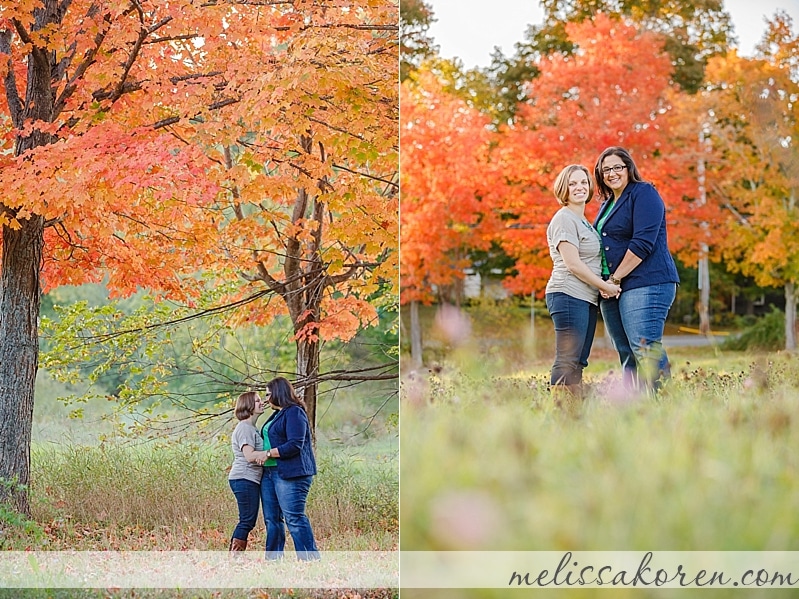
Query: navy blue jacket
(290, 433)
(637, 222)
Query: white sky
(469, 29)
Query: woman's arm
(647, 219)
(296, 427)
(571, 258)
(628, 264)
(251, 455)
(648, 214)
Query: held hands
(609, 290)
(261, 457)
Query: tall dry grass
(166, 496)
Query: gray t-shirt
(245, 434)
(569, 226)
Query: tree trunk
(704, 292)
(790, 316)
(305, 267)
(20, 291)
(20, 295)
(416, 336)
(308, 370)
(704, 266)
(305, 309)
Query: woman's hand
(609, 290)
(571, 258)
(252, 456)
(261, 457)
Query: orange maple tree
(446, 187)
(145, 141)
(308, 160)
(449, 191)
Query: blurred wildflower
(415, 389)
(465, 520)
(453, 325)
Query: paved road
(673, 341)
(692, 340)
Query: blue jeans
(635, 323)
(284, 498)
(575, 324)
(247, 493)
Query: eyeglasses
(616, 168)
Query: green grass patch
(488, 463)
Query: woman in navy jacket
(635, 254)
(288, 472)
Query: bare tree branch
(200, 314)
(251, 2)
(176, 119)
(362, 374)
(167, 122)
(88, 59)
(191, 76)
(158, 25)
(12, 93)
(119, 89)
(367, 175)
(372, 418)
(339, 129)
(740, 217)
(38, 54)
(333, 280)
(263, 273)
(344, 26)
(173, 38)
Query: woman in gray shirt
(571, 292)
(245, 473)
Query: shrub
(767, 333)
(12, 523)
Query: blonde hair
(561, 185)
(245, 405)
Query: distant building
(476, 285)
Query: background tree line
(715, 132)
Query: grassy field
(642, 474)
(173, 495)
(708, 465)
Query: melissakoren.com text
(571, 572)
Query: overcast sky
(469, 29)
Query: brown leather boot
(568, 398)
(238, 545)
